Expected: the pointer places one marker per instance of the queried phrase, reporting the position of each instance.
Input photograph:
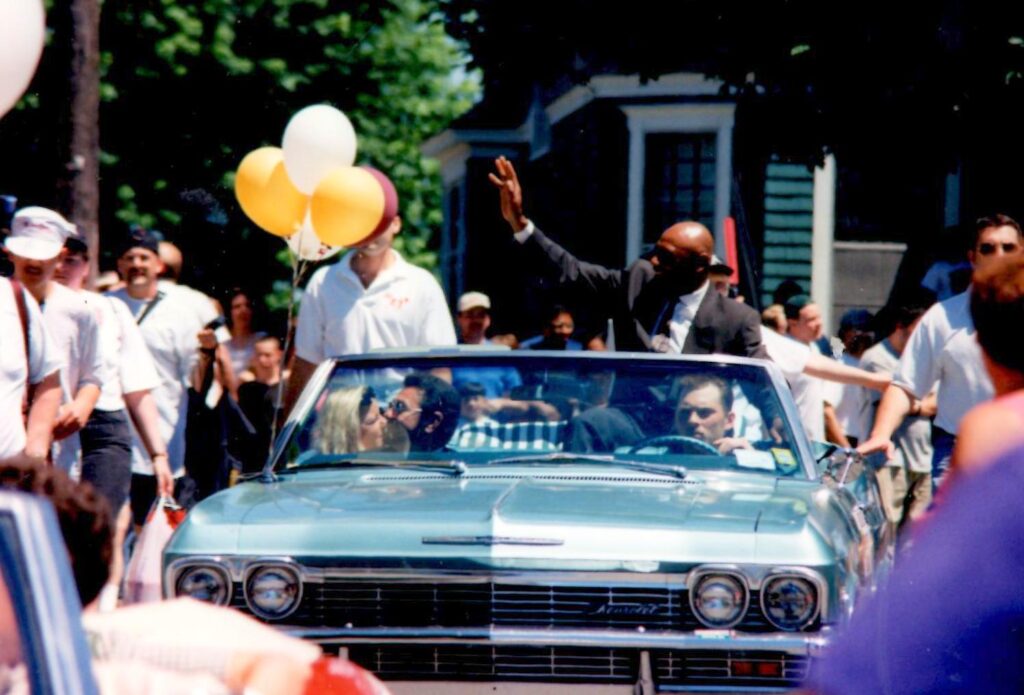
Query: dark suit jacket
(640, 304)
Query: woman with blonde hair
(350, 421)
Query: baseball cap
(856, 319)
(38, 233)
(140, 237)
(720, 266)
(471, 300)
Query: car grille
(471, 662)
(733, 668)
(343, 602)
(689, 668)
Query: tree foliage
(191, 86)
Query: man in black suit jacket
(663, 303)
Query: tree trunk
(83, 164)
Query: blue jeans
(942, 443)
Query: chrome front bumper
(797, 644)
(564, 661)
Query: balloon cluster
(308, 190)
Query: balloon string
(299, 267)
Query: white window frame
(677, 118)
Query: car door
(40, 613)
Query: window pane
(679, 181)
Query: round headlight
(719, 600)
(789, 603)
(273, 592)
(204, 583)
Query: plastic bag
(143, 578)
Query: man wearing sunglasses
(660, 302)
(428, 408)
(943, 352)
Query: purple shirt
(951, 619)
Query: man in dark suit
(660, 303)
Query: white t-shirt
(943, 351)
(913, 438)
(242, 350)
(790, 356)
(847, 399)
(45, 360)
(124, 350)
(809, 392)
(403, 307)
(170, 330)
(72, 323)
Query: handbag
(143, 579)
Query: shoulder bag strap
(19, 300)
(149, 308)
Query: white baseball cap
(471, 300)
(38, 233)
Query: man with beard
(428, 408)
(660, 302)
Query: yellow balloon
(346, 206)
(267, 195)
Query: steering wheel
(676, 443)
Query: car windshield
(511, 409)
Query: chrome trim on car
(175, 569)
(820, 587)
(789, 642)
(697, 573)
(489, 540)
(255, 567)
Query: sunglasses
(399, 407)
(987, 249)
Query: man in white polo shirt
(943, 352)
(35, 246)
(373, 298)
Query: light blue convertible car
(543, 522)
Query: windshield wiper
(452, 467)
(564, 457)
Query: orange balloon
(346, 206)
(267, 195)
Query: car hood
(603, 517)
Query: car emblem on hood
(490, 540)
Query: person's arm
(72, 416)
(832, 370)
(833, 430)
(588, 276)
(142, 409)
(301, 372)
(41, 416)
(896, 404)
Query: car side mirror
(840, 464)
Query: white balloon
(307, 246)
(22, 29)
(317, 139)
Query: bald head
(683, 253)
(690, 235)
(171, 257)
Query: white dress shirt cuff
(525, 233)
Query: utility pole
(83, 163)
